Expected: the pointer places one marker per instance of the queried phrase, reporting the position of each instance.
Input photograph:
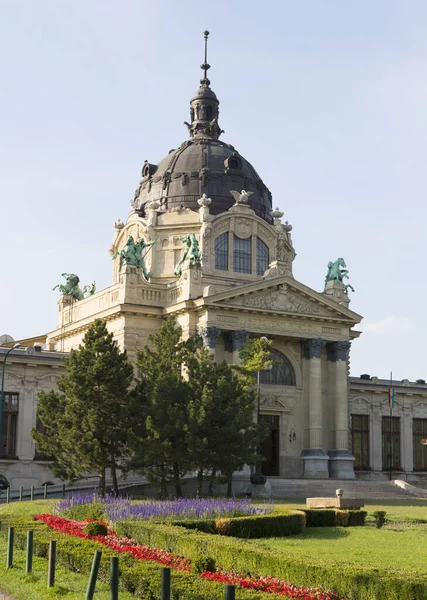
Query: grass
(21, 586)
(401, 545)
(14, 581)
(395, 549)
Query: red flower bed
(112, 540)
(122, 544)
(271, 585)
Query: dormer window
(249, 255)
(242, 255)
(262, 257)
(221, 252)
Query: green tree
(222, 433)
(159, 409)
(85, 421)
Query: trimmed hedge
(350, 581)
(141, 578)
(256, 526)
(330, 517)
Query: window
(419, 431)
(242, 259)
(221, 252)
(360, 441)
(9, 423)
(391, 443)
(262, 257)
(281, 373)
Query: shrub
(331, 517)
(203, 563)
(239, 555)
(316, 517)
(379, 517)
(274, 525)
(96, 528)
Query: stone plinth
(341, 503)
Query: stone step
(320, 488)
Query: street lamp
(258, 478)
(2, 389)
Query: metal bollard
(93, 575)
(114, 578)
(21, 491)
(32, 493)
(63, 490)
(10, 538)
(45, 492)
(229, 591)
(29, 560)
(8, 495)
(51, 564)
(166, 584)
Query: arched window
(262, 257)
(221, 252)
(281, 373)
(242, 255)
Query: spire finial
(205, 66)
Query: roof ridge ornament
(205, 66)
(204, 106)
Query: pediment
(282, 295)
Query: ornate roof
(202, 165)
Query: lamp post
(2, 390)
(258, 478)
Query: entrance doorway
(270, 446)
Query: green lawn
(34, 586)
(397, 549)
(401, 545)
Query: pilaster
(341, 461)
(315, 459)
(238, 340)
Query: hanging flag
(391, 397)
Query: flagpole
(390, 402)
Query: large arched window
(242, 255)
(221, 252)
(281, 373)
(262, 257)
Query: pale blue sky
(327, 99)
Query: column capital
(313, 348)
(338, 350)
(209, 335)
(238, 339)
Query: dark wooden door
(270, 446)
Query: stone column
(238, 339)
(315, 458)
(341, 461)
(209, 335)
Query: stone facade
(27, 372)
(236, 282)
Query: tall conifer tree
(85, 422)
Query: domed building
(203, 243)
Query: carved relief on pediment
(277, 402)
(280, 299)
